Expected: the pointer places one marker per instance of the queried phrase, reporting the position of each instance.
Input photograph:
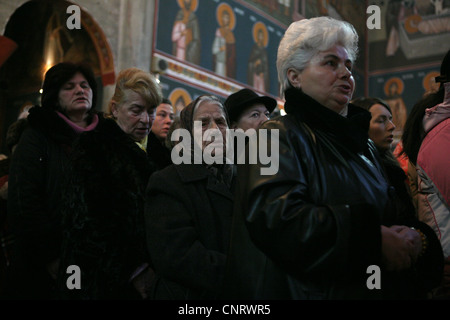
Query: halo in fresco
(226, 7)
(429, 84)
(394, 81)
(180, 98)
(259, 26)
(194, 4)
(412, 23)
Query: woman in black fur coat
(104, 206)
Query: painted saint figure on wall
(258, 64)
(224, 46)
(180, 98)
(393, 90)
(186, 32)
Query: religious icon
(429, 83)
(186, 32)
(393, 89)
(224, 46)
(180, 98)
(258, 63)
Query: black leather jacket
(311, 230)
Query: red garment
(433, 171)
(434, 158)
(401, 158)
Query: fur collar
(49, 123)
(109, 140)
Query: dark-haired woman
(427, 271)
(37, 176)
(381, 133)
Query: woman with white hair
(314, 230)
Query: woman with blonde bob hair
(104, 205)
(315, 228)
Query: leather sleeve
(291, 228)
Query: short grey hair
(305, 38)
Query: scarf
(222, 172)
(143, 143)
(435, 115)
(77, 128)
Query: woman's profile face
(75, 95)
(381, 127)
(327, 78)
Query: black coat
(159, 154)
(188, 219)
(36, 178)
(427, 273)
(311, 230)
(103, 213)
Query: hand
(413, 236)
(396, 249)
(144, 281)
(415, 239)
(397, 228)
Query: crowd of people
(98, 193)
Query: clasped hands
(401, 247)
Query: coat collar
(191, 172)
(352, 131)
(108, 138)
(47, 121)
(196, 172)
(112, 131)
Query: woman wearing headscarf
(314, 230)
(38, 169)
(189, 207)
